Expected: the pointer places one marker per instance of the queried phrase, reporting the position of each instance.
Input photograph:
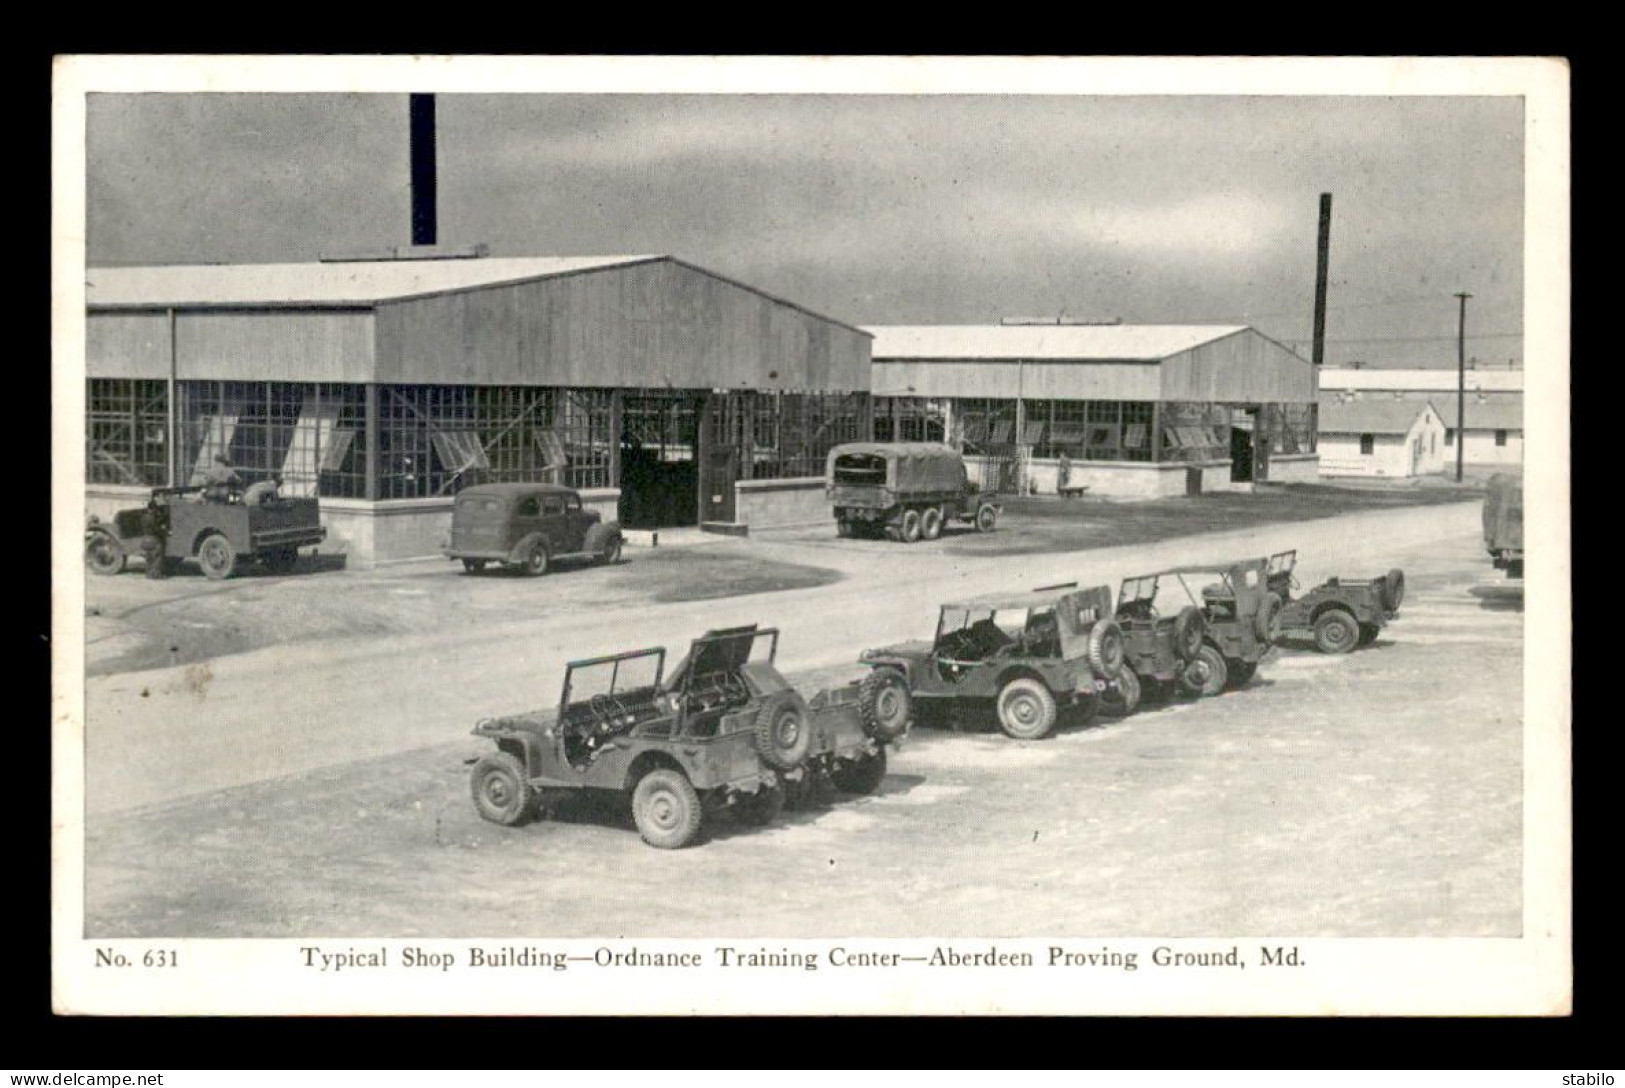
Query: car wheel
(1206, 674)
(1123, 697)
(760, 808)
(666, 809)
(1336, 632)
(473, 566)
(216, 557)
(1026, 709)
(536, 559)
(612, 551)
(1368, 633)
(1190, 627)
(986, 518)
(885, 704)
(104, 554)
(502, 792)
(931, 523)
(782, 736)
(909, 528)
(862, 775)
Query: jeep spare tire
(782, 736)
(1267, 624)
(885, 705)
(1190, 628)
(1105, 649)
(1392, 589)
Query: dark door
(717, 489)
(1241, 454)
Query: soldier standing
(154, 539)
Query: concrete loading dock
(667, 394)
(1138, 411)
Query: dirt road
(1376, 793)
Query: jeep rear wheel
(1026, 709)
(861, 775)
(536, 559)
(216, 556)
(908, 529)
(931, 523)
(885, 704)
(502, 793)
(1123, 697)
(762, 807)
(666, 809)
(104, 554)
(1336, 632)
(782, 736)
(986, 518)
(1206, 674)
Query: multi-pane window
(909, 419)
(984, 424)
(588, 443)
(1289, 428)
(787, 435)
(126, 432)
(307, 434)
(1195, 431)
(437, 439)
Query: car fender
(516, 554)
(896, 663)
(600, 533)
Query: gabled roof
(1503, 412)
(1370, 415)
(1082, 343)
(321, 283)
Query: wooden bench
(1071, 491)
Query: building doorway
(659, 460)
(1241, 446)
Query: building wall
(1244, 367)
(1125, 479)
(656, 324)
(1418, 380)
(766, 504)
(1047, 380)
(1294, 468)
(1482, 450)
(233, 345)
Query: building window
(787, 435)
(1449, 436)
(985, 425)
(437, 439)
(1195, 431)
(1368, 444)
(126, 432)
(909, 419)
(309, 435)
(1500, 438)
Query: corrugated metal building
(1134, 411)
(668, 394)
(1380, 436)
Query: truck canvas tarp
(1503, 514)
(909, 467)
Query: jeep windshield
(978, 632)
(615, 676)
(723, 652)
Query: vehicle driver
(154, 541)
(221, 480)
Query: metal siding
(652, 324)
(1038, 381)
(1244, 367)
(127, 345)
(298, 346)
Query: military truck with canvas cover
(1239, 623)
(1340, 613)
(1503, 523)
(1028, 654)
(904, 491)
(224, 537)
(721, 730)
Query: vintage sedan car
(527, 526)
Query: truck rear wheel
(861, 775)
(885, 704)
(217, 557)
(1336, 632)
(908, 529)
(782, 736)
(1026, 709)
(931, 523)
(986, 517)
(502, 792)
(104, 554)
(666, 809)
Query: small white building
(1494, 404)
(1380, 436)
(1494, 434)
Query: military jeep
(1026, 653)
(722, 730)
(224, 537)
(1239, 620)
(1340, 613)
(1158, 648)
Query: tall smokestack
(1323, 251)
(425, 212)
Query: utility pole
(1461, 381)
(425, 182)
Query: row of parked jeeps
(722, 730)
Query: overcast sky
(880, 209)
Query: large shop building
(668, 395)
(1127, 411)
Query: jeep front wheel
(216, 556)
(1026, 709)
(1206, 674)
(1336, 632)
(104, 554)
(502, 793)
(666, 809)
(885, 704)
(861, 775)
